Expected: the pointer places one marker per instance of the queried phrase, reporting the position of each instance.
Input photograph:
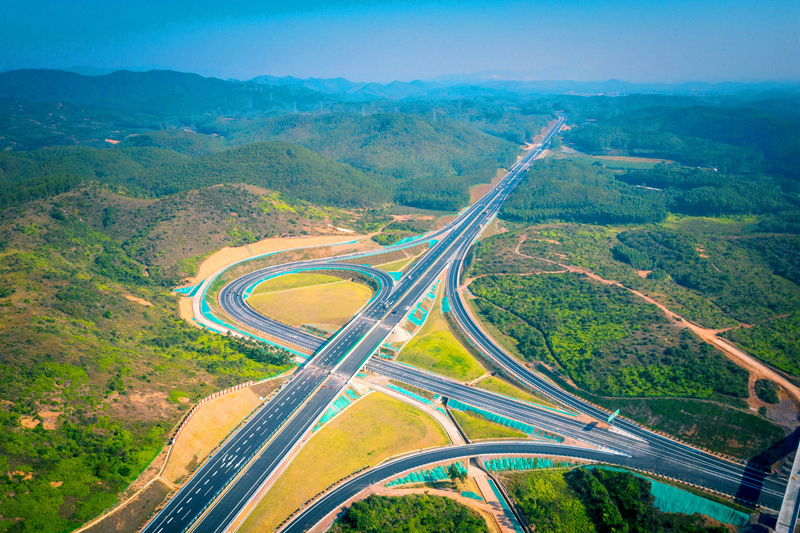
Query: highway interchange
(247, 459)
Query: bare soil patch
(140, 301)
(129, 518)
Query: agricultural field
(435, 348)
(374, 428)
(329, 304)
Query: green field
(329, 304)
(478, 428)
(434, 348)
(293, 281)
(373, 429)
(499, 386)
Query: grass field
(330, 304)
(376, 427)
(209, 425)
(434, 348)
(477, 427)
(499, 386)
(293, 281)
(395, 266)
(615, 161)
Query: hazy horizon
(366, 41)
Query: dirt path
(758, 369)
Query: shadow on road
(758, 465)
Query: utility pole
(295, 107)
(434, 115)
(363, 111)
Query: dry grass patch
(373, 429)
(330, 304)
(206, 429)
(395, 266)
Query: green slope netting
(470, 494)
(497, 419)
(424, 314)
(671, 499)
(340, 404)
(409, 393)
(396, 275)
(445, 305)
(426, 476)
(523, 463)
(509, 514)
(189, 291)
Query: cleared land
(477, 427)
(374, 428)
(499, 386)
(294, 281)
(436, 349)
(331, 304)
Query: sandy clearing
(479, 191)
(140, 301)
(228, 255)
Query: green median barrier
(669, 499)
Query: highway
(272, 432)
(282, 422)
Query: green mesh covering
(470, 494)
(503, 421)
(409, 393)
(671, 499)
(509, 514)
(445, 305)
(433, 475)
(523, 463)
(189, 291)
(340, 404)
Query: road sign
(612, 417)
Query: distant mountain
(162, 92)
(494, 82)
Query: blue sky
(638, 41)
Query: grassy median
(477, 428)
(373, 429)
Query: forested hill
(757, 137)
(278, 166)
(275, 165)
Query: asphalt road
(653, 453)
(281, 423)
(323, 506)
